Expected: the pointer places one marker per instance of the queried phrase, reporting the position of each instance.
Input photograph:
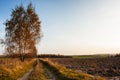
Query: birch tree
(23, 32)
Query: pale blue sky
(73, 26)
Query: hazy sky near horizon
(73, 26)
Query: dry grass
(11, 69)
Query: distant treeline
(117, 55)
(53, 56)
(28, 55)
(39, 56)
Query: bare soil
(105, 67)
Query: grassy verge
(90, 56)
(14, 69)
(66, 74)
(38, 73)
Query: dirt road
(39, 71)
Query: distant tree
(22, 32)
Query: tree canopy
(23, 32)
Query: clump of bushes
(117, 55)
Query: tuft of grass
(66, 74)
